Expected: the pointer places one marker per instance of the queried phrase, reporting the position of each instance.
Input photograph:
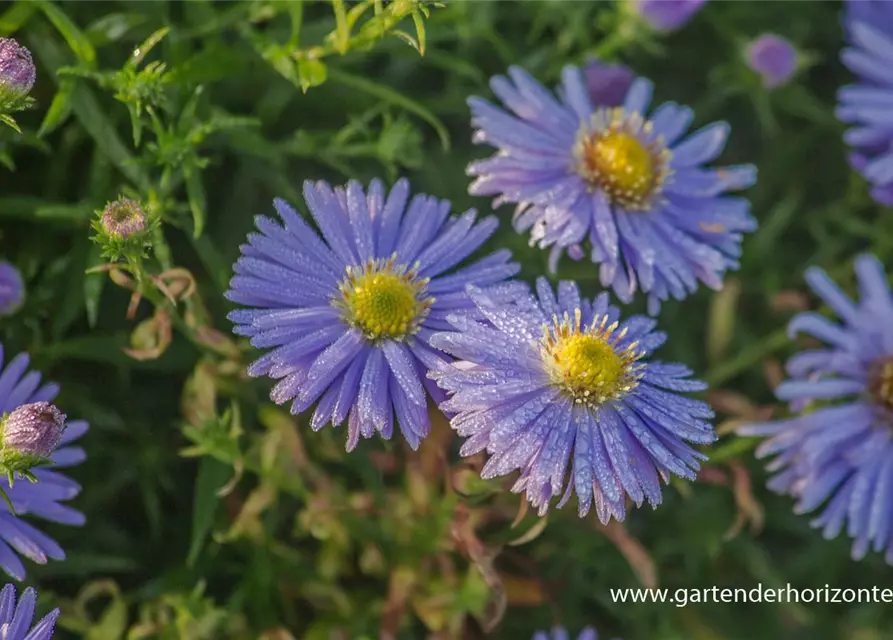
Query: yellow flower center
(383, 300)
(587, 362)
(614, 155)
(880, 382)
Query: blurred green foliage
(213, 514)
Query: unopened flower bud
(667, 15)
(17, 72)
(12, 289)
(123, 218)
(607, 83)
(33, 429)
(773, 58)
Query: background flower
(12, 289)
(773, 58)
(839, 450)
(667, 15)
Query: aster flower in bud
(625, 187)
(350, 314)
(33, 429)
(837, 448)
(773, 58)
(867, 106)
(44, 499)
(16, 618)
(12, 289)
(123, 229)
(667, 15)
(560, 633)
(17, 75)
(607, 83)
(561, 389)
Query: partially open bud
(33, 430)
(12, 289)
(122, 218)
(17, 72)
(667, 15)
(607, 83)
(773, 58)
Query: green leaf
(197, 201)
(93, 284)
(212, 476)
(311, 73)
(140, 53)
(12, 123)
(389, 95)
(16, 17)
(60, 108)
(77, 41)
(112, 27)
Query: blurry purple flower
(123, 218)
(43, 499)
(16, 618)
(773, 58)
(667, 15)
(34, 429)
(607, 83)
(623, 186)
(12, 289)
(558, 387)
(836, 452)
(560, 633)
(17, 72)
(868, 105)
(350, 314)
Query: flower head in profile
(867, 106)
(349, 314)
(28, 437)
(667, 15)
(625, 187)
(17, 75)
(44, 499)
(16, 617)
(561, 389)
(12, 289)
(560, 633)
(837, 450)
(773, 58)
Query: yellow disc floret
(587, 363)
(880, 382)
(616, 154)
(383, 300)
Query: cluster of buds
(28, 437)
(17, 75)
(123, 229)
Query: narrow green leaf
(342, 31)
(147, 45)
(112, 27)
(16, 17)
(93, 284)
(198, 204)
(60, 108)
(87, 110)
(12, 123)
(419, 29)
(77, 41)
(212, 475)
(389, 95)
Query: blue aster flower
(628, 183)
(15, 619)
(837, 450)
(868, 105)
(43, 499)
(555, 381)
(350, 314)
(560, 633)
